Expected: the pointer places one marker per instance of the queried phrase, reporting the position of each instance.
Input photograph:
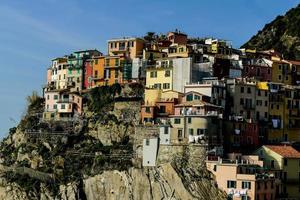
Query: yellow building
(286, 159)
(149, 54)
(284, 105)
(129, 47)
(159, 76)
(281, 72)
(180, 51)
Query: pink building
(244, 178)
(88, 74)
(62, 104)
(260, 68)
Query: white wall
(181, 73)
(150, 152)
(164, 138)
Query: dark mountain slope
(282, 34)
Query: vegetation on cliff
(282, 35)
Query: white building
(150, 150)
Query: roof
(124, 39)
(285, 151)
(294, 62)
(193, 92)
(196, 103)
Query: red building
(242, 136)
(88, 74)
(258, 68)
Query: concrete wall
(150, 148)
(164, 137)
(182, 68)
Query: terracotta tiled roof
(285, 151)
(294, 62)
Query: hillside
(94, 157)
(282, 34)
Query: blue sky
(32, 32)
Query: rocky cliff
(98, 159)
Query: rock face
(161, 182)
(282, 34)
(102, 162)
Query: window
(116, 73)
(107, 73)
(246, 185)
(258, 93)
(266, 93)
(231, 184)
(177, 121)
(122, 46)
(153, 74)
(106, 62)
(96, 61)
(279, 77)
(266, 185)
(55, 97)
(189, 97)
(269, 71)
(189, 120)
(47, 106)
(54, 106)
(244, 197)
(258, 71)
(286, 78)
(162, 109)
(266, 103)
(241, 101)
(249, 90)
(191, 131)
(179, 133)
(96, 73)
(63, 106)
(166, 86)
(200, 131)
(147, 142)
(277, 107)
(157, 85)
(272, 184)
(279, 67)
(166, 130)
(117, 62)
(148, 110)
(242, 89)
(285, 162)
(167, 73)
(48, 97)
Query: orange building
(113, 70)
(129, 47)
(98, 70)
